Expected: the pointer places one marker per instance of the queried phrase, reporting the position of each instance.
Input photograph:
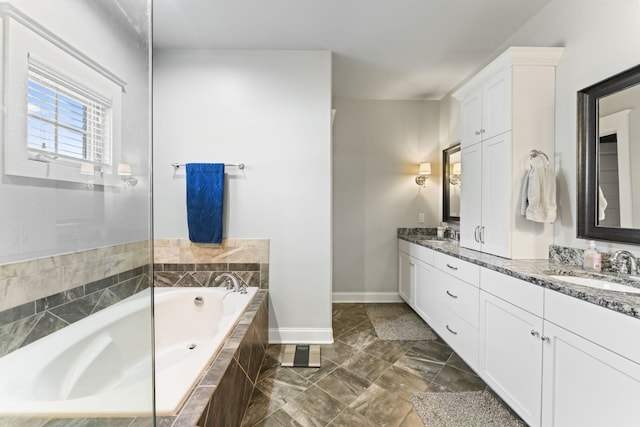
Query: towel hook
(536, 153)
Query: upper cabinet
(506, 111)
(486, 111)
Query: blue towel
(205, 194)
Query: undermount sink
(438, 240)
(597, 283)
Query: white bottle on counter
(592, 259)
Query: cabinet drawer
(463, 270)
(460, 336)
(525, 295)
(416, 251)
(458, 296)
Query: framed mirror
(451, 180)
(608, 155)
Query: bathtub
(101, 365)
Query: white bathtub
(100, 366)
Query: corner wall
(377, 146)
(272, 111)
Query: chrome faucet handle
(232, 281)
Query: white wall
(43, 217)
(271, 111)
(377, 146)
(601, 38)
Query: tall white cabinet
(506, 110)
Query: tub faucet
(232, 283)
(618, 261)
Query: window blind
(66, 119)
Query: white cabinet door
(424, 292)
(497, 213)
(471, 119)
(510, 355)
(406, 278)
(587, 385)
(496, 104)
(471, 196)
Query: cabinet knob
(451, 330)
(545, 339)
(452, 295)
(535, 333)
(477, 132)
(481, 130)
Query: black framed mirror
(451, 181)
(608, 159)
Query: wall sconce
(423, 174)
(124, 170)
(456, 170)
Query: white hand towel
(602, 204)
(524, 200)
(541, 192)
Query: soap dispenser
(592, 259)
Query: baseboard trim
(344, 297)
(300, 336)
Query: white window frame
(51, 122)
(25, 41)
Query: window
(66, 108)
(66, 120)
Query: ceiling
(382, 49)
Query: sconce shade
(425, 169)
(456, 169)
(124, 169)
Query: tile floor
(363, 381)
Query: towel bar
(238, 165)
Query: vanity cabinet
(507, 110)
(455, 313)
(591, 363)
(555, 360)
(406, 278)
(415, 277)
(510, 346)
(585, 384)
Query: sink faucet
(453, 234)
(232, 282)
(618, 262)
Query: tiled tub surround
(27, 281)
(179, 262)
(28, 322)
(223, 392)
(538, 272)
(37, 298)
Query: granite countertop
(538, 271)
